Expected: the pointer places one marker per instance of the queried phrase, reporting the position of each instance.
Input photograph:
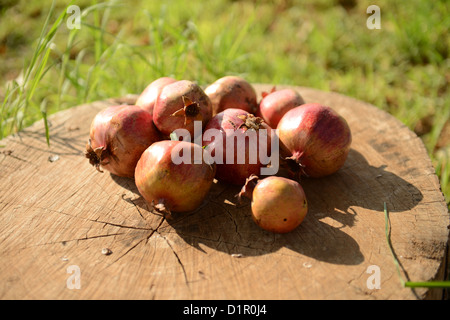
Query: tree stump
(70, 232)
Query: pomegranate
(171, 185)
(232, 92)
(275, 104)
(147, 98)
(118, 136)
(278, 204)
(179, 105)
(237, 151)
(315, 138)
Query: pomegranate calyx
(247, 189)
(190, 111)
(294, 166)
(250, 122)
(95, 155)
(161, 208)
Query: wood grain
(57, 214)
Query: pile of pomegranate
(178, 139)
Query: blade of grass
(98, 35)
(428, 284)
(38, 76)
(44, 43)
(45, 38)
(102, 5)
(40, 39)
(387, 228)
(44, 116)
(11, 89)
(64, 65)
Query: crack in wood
(186, 281)
(229, 214)
(70, 240)
(152, 231)
(134, 204)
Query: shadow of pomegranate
(228, 226)
(223, 224)
(358, 184)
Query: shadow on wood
(225, 225)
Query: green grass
(403, 68)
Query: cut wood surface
(70, 232)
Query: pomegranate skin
(276, 103)
(173, 187)
(316, 137)
(147, 98)
(232, 92)
(229, 121)
(118, 136)
(172, 100)
(278, 204)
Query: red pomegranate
(316, 138)
(278, 204)
(179, 105)
(118, 136)
(170, 183)
(236, 164)
(147, 98)
(232, 92)
(276, 103)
